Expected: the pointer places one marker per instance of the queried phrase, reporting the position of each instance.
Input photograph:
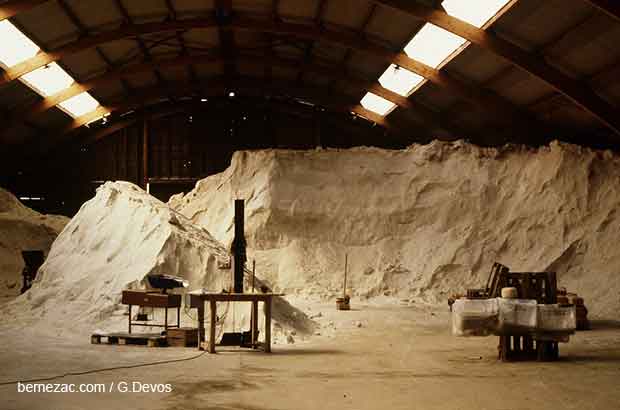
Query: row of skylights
(51, 79)
(434, 47)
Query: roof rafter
(143, 48)
(484, 99)
(212, 87)
(611, 7)
(426, 116)
(578, 92)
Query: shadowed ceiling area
(391, 72)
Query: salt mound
(112, 243)
(424, 221)
(22, 228)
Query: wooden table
(153, 299)
(197, 301)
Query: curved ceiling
(537, 70)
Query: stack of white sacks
(510, 316)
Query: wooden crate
(183, 337)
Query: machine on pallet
(521, 308)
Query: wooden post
(344, 289)
(268, 324)
(253, 273)
(166, 320)
(213, 310)
(130, 319)
(201, 322)
(254, 329)
(145, 151)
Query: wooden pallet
(541, 286)
(148, 339)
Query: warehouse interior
(385, 179)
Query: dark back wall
(182, 148)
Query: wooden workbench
(197, 301)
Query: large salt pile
(22, 229)
(111, 244)
(421, 222)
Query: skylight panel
(432, 45)
(15, 47)
(48, 80)
(379, 105)
(474, 12)
(80, 104)
(399, 80)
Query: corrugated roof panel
(293, 8)
(106, 13)
(15, 94)
(595, 55)
(110, 92)
(546, 21)
(187, 8)
(144, 80)
(520, 88)
(435, 96)
(252, 6)
(85, 64)
(208, 70)
(348, 13)
(392, 26)
(48, 25)
(122, 51)
(369, 67)
(477, 64)
(200, 39)
(52, 119)
(328, 51)
(142, 11)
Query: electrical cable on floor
(105, 369)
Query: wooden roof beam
(610, 7)
(579, 93)
(427, 116)
(484, 99)
(213, 87)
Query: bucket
(343, 303)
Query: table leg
(268, 325)
(179, 317)
(129, 319)
(166, 320)
(213, 309)
(201, 322)
(254, 323)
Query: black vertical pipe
(238, 245)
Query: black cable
(131, 366)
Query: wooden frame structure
(197, 301)
(540, 286)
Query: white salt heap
(22, 229)
(111, 244)
(421, 222)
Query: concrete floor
(400, 358)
